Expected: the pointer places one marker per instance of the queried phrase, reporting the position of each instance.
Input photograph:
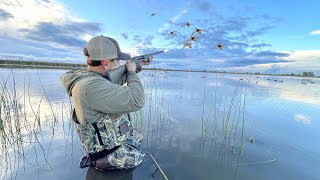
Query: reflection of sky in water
(272, 111)
(282, 117)
(302, 118)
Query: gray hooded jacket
(105, 133)
(93, 95)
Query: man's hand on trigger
(147, 62)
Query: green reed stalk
(242, 131)
(224, 112)
(233, 121)
(215, 111)
(229, 113)
(203, 128)
(239, 112)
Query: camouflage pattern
(126, 157)
(113, 133)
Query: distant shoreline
(51, 65)
(36, 64)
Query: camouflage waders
(111, 144)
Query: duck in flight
(220, 46)
(193, 38)
(189, 45)
(171, 33)
(197, 30)
(188, 24)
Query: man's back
(93, 95)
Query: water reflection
(302, 118)
(94, 174)
(184, 127)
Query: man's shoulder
(94, 84)
(93, 80)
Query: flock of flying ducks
(193, 38)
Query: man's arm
(112, 98)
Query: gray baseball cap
(105, 48)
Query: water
(196, 125)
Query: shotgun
(116, 75)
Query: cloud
(237, 34)
(287, 62)
(312, 33)
(25, 49)
(249, 59)
(143, 41)
(165, 27)
(4, 15)
(317, 32)
(303, 55)
(42, 30)
(260, 45)
(125, 36)
(298, 36)
(32, 12)
(66, 34)
(272, 54)
(203, 6)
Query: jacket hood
(70, 78)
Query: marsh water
(196, 126)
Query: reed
(153, 119)
(22, 125)
(228, 115)
(226, 121)
(203, 125)
(243, 120)
(216, 113)
(234, 128)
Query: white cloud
(78, 58)
(300, 61)
(303, 55)
(297, 36)
(217, 60)
(42, 30)
(165, 26)
(28, 14)
(317, 32)
(86, 37)
(132, 51)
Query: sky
(276, 37)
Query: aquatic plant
(227, 115)
(23, 125)
(153, 119)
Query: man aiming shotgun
(116, 75)
(102, 104)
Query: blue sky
(258, 36)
